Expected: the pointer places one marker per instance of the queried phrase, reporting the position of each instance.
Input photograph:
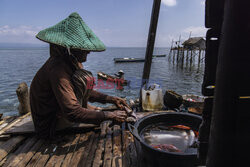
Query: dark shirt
(52, 95)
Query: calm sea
(20, 65)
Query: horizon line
(4, 45)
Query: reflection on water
(20, 65)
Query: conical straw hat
(73, 33)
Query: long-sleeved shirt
(52, 95)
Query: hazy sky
(122, 23)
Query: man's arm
(96, 96)
(63, 90)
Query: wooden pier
(93, 147)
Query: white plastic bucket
(152, 99)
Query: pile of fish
(131, 115)
(178, 138)
(130, 112)
(190, 99)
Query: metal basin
(159, 158)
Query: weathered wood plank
(6, 121)
(38, 154)
(61, 151)
(117, 147)
(14, 153)
(26, 126)
(4, 137)
(88, 146)
(108, 149)
(100, 148)
(130, 157)
(13, 123)
(80, 149)
(22, 127)
(90, 158)
(1, 142)
(126, 140)
(46, 154)
(31, 152)
(19, 154)
(10, 145)
(71, 151)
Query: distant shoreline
(45, 45)
(22, 45)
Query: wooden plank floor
(107, 146)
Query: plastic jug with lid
(152, 99)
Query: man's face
(81, 55)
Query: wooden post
(191, 57)
(182, 56)
(203, 55)
(23, 97)
(178, 49)
(177, 56)
(170, 50)
(187, 56)
(229, 133)
(199, 58)
(173, 56)
(151, 41)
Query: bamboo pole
(151, 41)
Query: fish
(130, 119)
(180, 127)
(185, 128)
(131, 115)
(128, 110)
(196, 133)
(166, 147)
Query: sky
(118, 23)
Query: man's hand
(117, 115)
(119, 102)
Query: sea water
(21, 64)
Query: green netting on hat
(72, 32)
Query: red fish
(181, 127)
(166, 147)
(196, 133)
(185, 128)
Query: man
(120, 74)
(58, 93)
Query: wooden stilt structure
(192, 51)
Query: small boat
(159, 55)
(102, 75)
(127, 59)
